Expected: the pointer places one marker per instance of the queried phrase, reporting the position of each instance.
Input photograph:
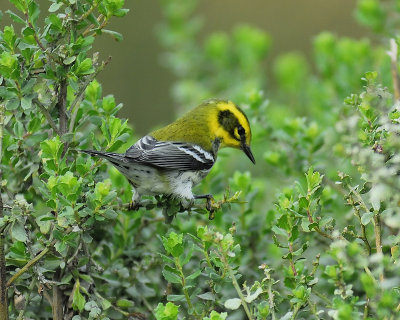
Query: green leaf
(303, 202)
(78, 300)
(34, 11)
(56, 22)
(251, 297)
(102, 189)
(19, 4)
(15, 17)
(167, 312)
(69, 60)
(8, 64)
(9, 36)
(173, 244)
(206, 296)
(369, 284)
(124, 303)
(105, 304)
(279, 231)
(314, 180)
(84, 67)
(176, 297)
(18, 232)
(26, 102)
(194, 275)
(108, 103)
(214, 315)
(12, 104)
(55, 6)
(52, 148)
(115, 35)
(366, 218)
(233, 303)
(171, 277)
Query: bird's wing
(170, 155)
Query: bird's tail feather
(110, 156)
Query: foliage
(314, 233)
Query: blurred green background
(138, 78)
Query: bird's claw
(134, 206)
(210, 206)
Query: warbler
(173, 159)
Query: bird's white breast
(151, 181)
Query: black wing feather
(169, 155)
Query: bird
(170, 161)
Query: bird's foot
(210, 204)
(134, 206)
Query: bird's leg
(210, 200)
(135, 204)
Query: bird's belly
(151, 181)
(182, 182)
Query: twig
(296, 310)
(185, 290)
(46, 113)
(271, 299)
(87, 13)
(81, 92)
(393, 54)
(89, 28)
(28, 296)
(311, 220)
(3, 285)
(322, 297)
(39, 43)
(148, 306)
(292, 266)
(235, 283)
(363, 236)
(62, 107)
(136, 315)
(378, 237)
(56, 305)
(30, 263)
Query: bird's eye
(241, 131)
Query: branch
(62, 107)
(235, 283)
(87, 13)
(393, 54)
(3, 285)
(39, 43)
(30, 263)
(81, 92)
(46, 113)
(57, 301)
(378, 237)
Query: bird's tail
(113, 157)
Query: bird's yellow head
(212, 121)
(231, 126)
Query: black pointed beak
(246, 149)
